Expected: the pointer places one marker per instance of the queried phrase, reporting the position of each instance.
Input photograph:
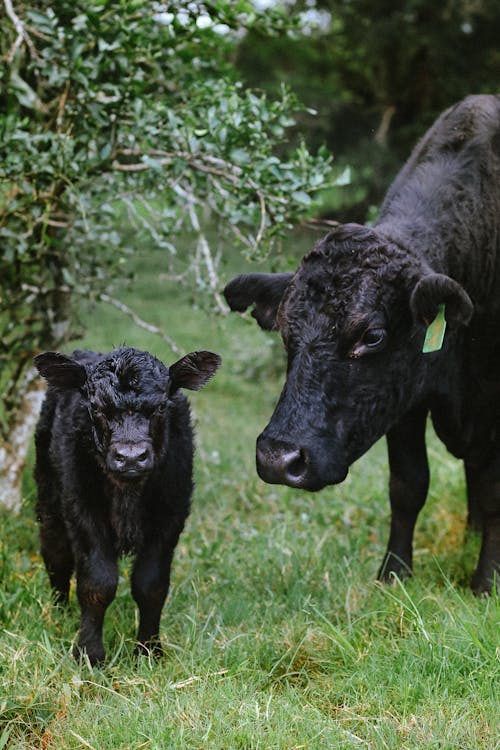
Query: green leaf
(153, 163)
(300, 197)
(240, 156)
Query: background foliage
(155, 142)
(378, 73)
(129, 112)
(166, 117)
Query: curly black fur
(114, 457)
(353, 318)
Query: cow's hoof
(392, 568)
(482, 585)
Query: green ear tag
(435, 332)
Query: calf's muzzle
(130, 460)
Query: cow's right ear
(60, 370)
(435, 289)
(194, 370)
(262, 290)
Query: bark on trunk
(13, 453)
(380, 136)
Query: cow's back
(444, 205)
(470, 124)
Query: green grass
(276, 634)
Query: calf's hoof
(95, 654)
(60, 598)
(149, 648)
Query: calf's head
(352, 319)
(128, 395)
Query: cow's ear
(193, 370)
(60, 370)
(437, 289)
(262, 290)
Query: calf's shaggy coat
(114, 455)
(353, 319)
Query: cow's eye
(161, 408)
(374, 337)
(372, 340)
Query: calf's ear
(60, 370)
(437, 289)
(262, 290)
(194, 370)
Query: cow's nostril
(296, 464)
(279, 462)
(143, 457)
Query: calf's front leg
(408, 486)
(57, 554)
(96, 579)
(150, 584)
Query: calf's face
(128, 395)
(128, 408)
(352, 319)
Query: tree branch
(204, 249)
(202, 163)
(21, 33)
(139, 321)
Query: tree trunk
(13, 452)
(380, 136)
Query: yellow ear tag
(435, 332)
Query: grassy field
(276, 634)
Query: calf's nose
(130, 459)
(279, 462)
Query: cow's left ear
(194, 370)
(437, 289)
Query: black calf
(114, 454)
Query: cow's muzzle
(281, 462)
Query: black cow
(353, 319)
(114, 455)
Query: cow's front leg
(474, 515)
(97, 579)
(408, 486)
(150, 584)
(483, 487)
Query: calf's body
(353, 319)
(114, 455)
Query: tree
(378, 72)
(125, 110)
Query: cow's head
(129, 396)
(353, 319)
